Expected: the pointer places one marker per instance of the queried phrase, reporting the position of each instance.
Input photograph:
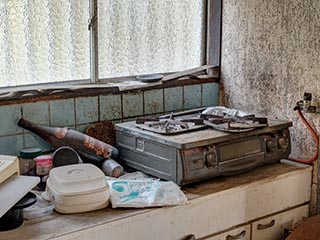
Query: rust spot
(193, 150)
(103, 131)
(99, 147)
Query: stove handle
(251, 162)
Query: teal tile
(62, 112)
(155, 115)
(11, 145)
(173, 99)
(110, 107)
(132, 104)
(116, 121)
(37, 112)
(33, 140)
(86, 110)
(129, 119)
(153, 101)
(10, 116)
(210, 94)
(192, 96)
(82, 127)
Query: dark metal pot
(65, 156)
(14, 217)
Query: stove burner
(169, 126)
(219, 118)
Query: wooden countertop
(59, 225)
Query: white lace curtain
(43, 41)
(150, 36)
(48, 40)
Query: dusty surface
(59, 224)
(266, 172)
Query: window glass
(43, 41)
(150, 36)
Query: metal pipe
(314, 135)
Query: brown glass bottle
(89, 147)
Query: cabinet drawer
(240, 233)
(272, 228)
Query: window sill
(68, 90)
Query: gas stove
(196, 150)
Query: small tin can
(26, 160)
(43, 164)
(111, 168)
(43, 167)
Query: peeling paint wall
(270, 57)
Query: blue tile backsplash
(32, 140)
(173, 99)
(78, 113)
(87, 110)
(210, 94)
(11, 145)
(132, 104)
(192, 96)
(110, 107)
(153, 101)
(36, 112)
(10, 116)
(62, 112)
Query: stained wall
(270, 57)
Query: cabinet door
(273, 227)
(240, 233)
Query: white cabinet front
(273, 227)
(240, 233)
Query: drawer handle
(268, 225)
(238, 236)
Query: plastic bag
(137, 176)
(145, 193)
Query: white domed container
(77, 188)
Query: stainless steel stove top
(201, 154)
(199, 137)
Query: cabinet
(261, 202)
(273, 227)
(239, 233)
(269, 228)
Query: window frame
(212, 51)
(213, 37)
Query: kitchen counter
(202, 215)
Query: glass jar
(26, 160)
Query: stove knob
(211, 159)
(283, 143)
(271, 145)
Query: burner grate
(169, 126)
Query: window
(150, 36)
(43, 41)
(47, 41)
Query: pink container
(43, 164)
